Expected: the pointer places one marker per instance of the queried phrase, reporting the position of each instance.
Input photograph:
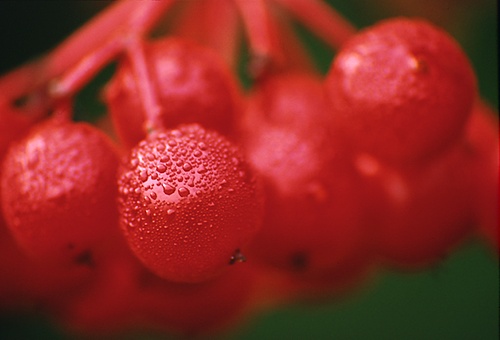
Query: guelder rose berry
(58, 190)
(312, 219)
(401, 90)
(193, 86)
(188, 203)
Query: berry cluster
(214, 202)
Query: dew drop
(160, 147)
(143, 176)
(197, 153)
(153, 195)
(161, 168)
(170, 212)
(168, 189)
(172, 142)
(201, 169)
(202, 146)
(187, 166)
(183, 192)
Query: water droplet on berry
(168, 189)
(183, 191)
(201, 169)
(160, 147)
(143, 176)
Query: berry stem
(221, 29)
(321, 19)
(262, 36)
(76, 77)
(130, 16)
(147, 90)
(297, 56)
(63, 110)
(212, 23)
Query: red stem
(297, 56)
(127, 16)
(75, 78)
(147, 91)
(261, 34)
(214, 24)
(321, 19)
(222, 31)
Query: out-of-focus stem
(75, 78)
(261, 34)
(298, 57)
(212, 23)
(321, 19)
(127, 17)
(145, 85)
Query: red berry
(420, 213)
(201, 308)
(188, 203)
(192, 83)
(13, 125)
(126, 297)
(59, 190)
(401, 90)
(28, 286)
(312, 214)
(483, 143)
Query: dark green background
(457, 300)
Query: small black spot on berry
(299, 261)
(237, 257)
(85, 258)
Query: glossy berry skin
(401, 90)
(13, 125)
(312, 223)
(27, 285)
(188, 203)
(126, 297)
(198, 309)
(419, 214)
(483, 161)
(59, 191)
(192, 83)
